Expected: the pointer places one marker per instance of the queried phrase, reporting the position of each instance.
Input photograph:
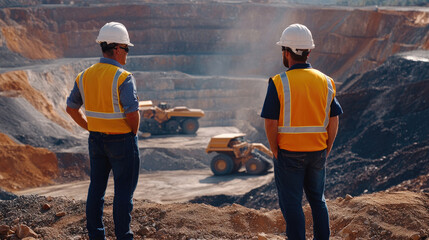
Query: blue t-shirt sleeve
(335, 108)
(75, 99)
(128, 95)
(271, 108)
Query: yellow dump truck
(163, 119)
(233, 151)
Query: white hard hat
(296, 36)
(114, 32)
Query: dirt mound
(24, 166)
(383, 133)
(397, 215)
(404, 216)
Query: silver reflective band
(105, 115)
(82, 94)
(306, 129)
(286, 106)
(287, 128)
(115, 97)
(328, 101)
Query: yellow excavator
(233, 151)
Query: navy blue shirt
(127, 92)
(271, 108)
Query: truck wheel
(172, 126)
(222, 164)
(150, 126)
(264, 158)
(255, 166)
(190, 126)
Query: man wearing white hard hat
(109, 96)
(301, 123)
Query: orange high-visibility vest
(305, 97)
(99, 88)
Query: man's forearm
(77, 115)
(332, 133)
(271, 132)
(133, 120)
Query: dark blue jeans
(120, 154)
(293, 172)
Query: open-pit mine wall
(211, 55)
(238, 38)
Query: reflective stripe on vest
(105, 115)
(287, 128)
(117, 114)
(115, 97)
(82, 94)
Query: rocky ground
(384, 215)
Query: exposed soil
(24, 166)
(396, 215)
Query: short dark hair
(296, 57)
(108, 48)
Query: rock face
(33, 104)
(238, 38)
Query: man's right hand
(275, 152)
(271, 132)
(77, 115)
(133, 120)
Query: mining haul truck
(162, 119)
(233, 151)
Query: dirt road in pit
(199, 140)
(172, 185)
(167, 186)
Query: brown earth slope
(24, 166)
(16, 84)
